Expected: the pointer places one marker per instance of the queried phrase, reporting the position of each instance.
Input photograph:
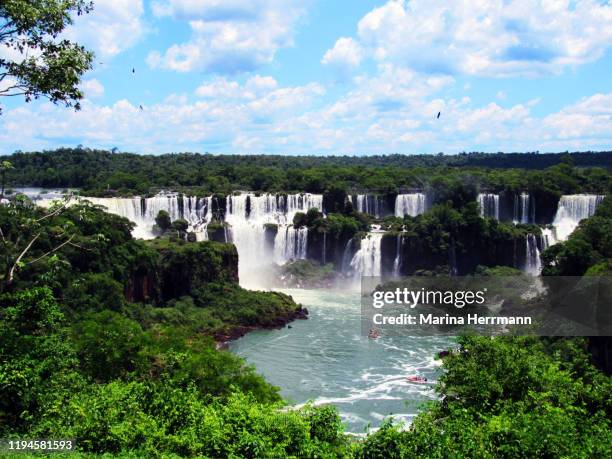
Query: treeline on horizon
(100, 172)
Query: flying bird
(140, 106)
(133, 70)
(438, 117)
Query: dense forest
(111, 340)
(107, 173)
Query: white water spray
(412, 204)
(572, 209)
(367, 260)
(489, 205)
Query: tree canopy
(36, 60)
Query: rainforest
(194, 305)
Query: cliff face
(176, 269)
(463, 254)
(327, 248)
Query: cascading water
(142, 211)
(347, 256)
(412, 204)
(548, 238)
(367, 260)
(523, 210)
(367, 203)
(397, 262)
(248, 215)
(290, 244)
(489, 205)
(533, 264)
(572, 209)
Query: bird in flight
(141, 107)
(133, 70)
(438, 117)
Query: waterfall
(290, 244)
(533, 264)
(489, 205)
(572, 209)
(412, 204)
(248, 214)
(397, 263)
(548, 238)
(522, 206)
(142, 211)
(368, 204)
(347, 256)
(367, 260)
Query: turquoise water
(325, 359)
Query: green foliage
(161, 419)
(588, 249)
(36, 359)
(51, 67)
(180, 225)
(306, 274)
(107, 345)
(452, 178)
(162, 220)
(509, 397)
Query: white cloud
(590, 118)
(227, 112)
(92, 88)
(221, 87)
(228, 36)
(487, 37)
(112, 27)
(345, 54)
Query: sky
(333, 77)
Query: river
(325, 359)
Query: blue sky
(334, 77)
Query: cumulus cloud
(112, 27)
(487, 37)
(346, 54)
(228, 36)
(590, 118)
(225, 112)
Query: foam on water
(325, 359)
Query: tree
(29, 235)
(45, 64)
(5, 166)
(163, 220)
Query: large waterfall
(489, 205)
(573, 208)
(367, 260)
(412, 204)
(249, 216)
(142, 211)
